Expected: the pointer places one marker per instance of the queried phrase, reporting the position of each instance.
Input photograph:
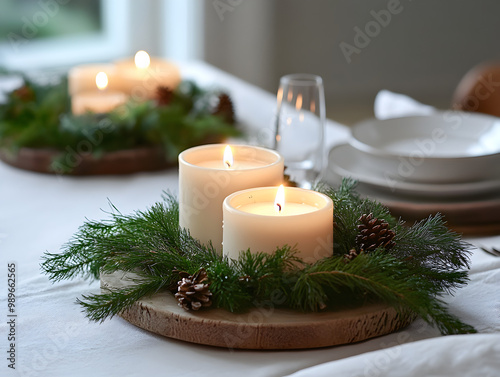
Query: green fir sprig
(428, 261)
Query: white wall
(239, 38)
(423, 51)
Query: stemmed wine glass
(300, 127)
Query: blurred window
(58, 33)
(21, 21)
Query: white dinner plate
(445, 147)
(346, 161)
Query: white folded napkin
(392, 105)
(458, 355)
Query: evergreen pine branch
(80, 256)
(429, 242)
(227, 291)
(426, 262)
(99, 307)
(349, 206)
(329, 279)
(266, 276)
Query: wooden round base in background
(119, 162)
(260, 328)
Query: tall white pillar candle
(257, 219)
(206, 178)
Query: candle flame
(280, 94)
(101, 80)
(298, 103)
(228, 157)
(279, 202)
(142, 59)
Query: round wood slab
(259, 328)
(111, 163)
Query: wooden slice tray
(111, 163)
(260, 328)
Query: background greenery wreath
(37, 115)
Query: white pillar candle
(140, 77)
(82, 77)
(206, 177)
(100, 100)
(257, 219)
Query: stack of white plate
(446, 154)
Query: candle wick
(228, 164)
(279, 207)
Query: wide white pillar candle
(97, 101)
(206, 178)
(100, 100)
(82, 77)
(140, 77)
(303, 220)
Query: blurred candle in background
(82, 78)
(97, 101)
(140, 77)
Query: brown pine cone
(288, 181)
(374, 233)
(225, 108)
(353, 253)
(192, 291)
(164, 95)
(25, 93)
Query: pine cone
(25, 93)
(374, 233)
(164, 95)
(353, 253)
(225, 108)
(192, 292)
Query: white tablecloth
(41, 212)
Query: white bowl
(445, 147)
